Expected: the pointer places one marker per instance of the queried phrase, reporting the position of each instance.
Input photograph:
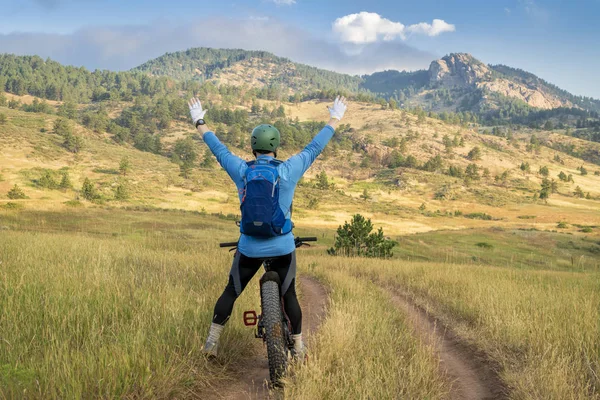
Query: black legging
(242, 271)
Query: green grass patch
(479, 215)
(528, 249)
(12, 206)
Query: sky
(558, 40)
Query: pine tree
(65, 182)
(121, 192)
(16, 193)
(323, 181)
(208, 161)
(474, 154)
(357, 239)
(562, 176)
(124, 166)
(88, 190)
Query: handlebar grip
(307, 239)
(228, 244)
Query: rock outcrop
(461, 70)
(458, 70)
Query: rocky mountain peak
(458, 70)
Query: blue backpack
(261, 214)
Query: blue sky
(555, 39)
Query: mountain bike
(273, 325)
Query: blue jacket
(290, 173)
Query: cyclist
(252, 250)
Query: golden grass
(112, 309)
(365, 348)
(542, 327)
(108, 303)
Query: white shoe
(301, 354)
(210, 349)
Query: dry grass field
(112, 299)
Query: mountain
(457, 82)
(256, 69)
(460, 82)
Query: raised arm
(230, 163)
(297, 165)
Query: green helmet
(266, 138)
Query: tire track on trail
(469, 372)
(253, 373)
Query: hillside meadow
(103, 302)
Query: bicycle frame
(251, 318)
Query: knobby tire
(274, 332)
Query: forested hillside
(457, 88)
(205, 63)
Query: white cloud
(283, 2)
(366, 27)
(438, 26)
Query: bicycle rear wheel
(272, 318)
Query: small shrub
(313, 203)
(65, 182)
(484, 245)
(562, 225)
(3, 119)
(482, 216)
(73, 143)
(88, 190)
(474, 154)
(16, 193)
(47, 181)
(12, 206)
(124, 166)
(586, 229)
(365, 195)
(121, 192)
(73, 203)
(526, 217)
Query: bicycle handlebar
(297, 240)
(306, 239)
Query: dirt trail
(470, 374)
(254, 372)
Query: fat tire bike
(273, 325)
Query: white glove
(196, 110)
(339, 108)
